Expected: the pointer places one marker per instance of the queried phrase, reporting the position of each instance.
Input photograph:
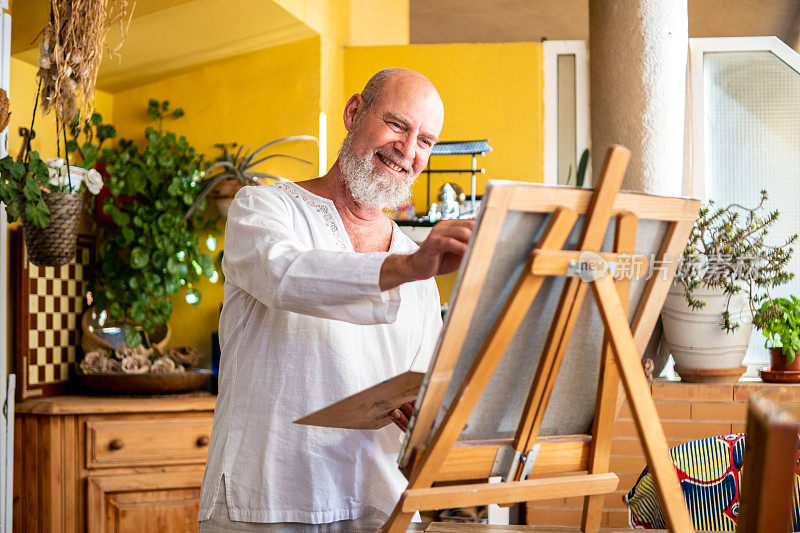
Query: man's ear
(351, 110)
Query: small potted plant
(725, 273)
(47, 195)
(238, 170)
(779, 321)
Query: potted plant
(779, 321)
(237, 171)
(149, 251)
(726, 271)
(47, 195)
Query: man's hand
(402, 415)
(440, 253)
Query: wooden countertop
(79, 405)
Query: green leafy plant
(160, 110)
(95, 133)
(21, 185)
(779, 321)
(580, 175)
(727, 250)
(149, 250)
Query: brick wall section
(688, 412)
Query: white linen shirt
(304, 324)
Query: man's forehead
(412, 96)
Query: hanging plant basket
(54, 245)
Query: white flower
(94, 181)
(60, 178)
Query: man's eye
(395, 126)
(426, 143)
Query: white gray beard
(369, 185)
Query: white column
(637, 52)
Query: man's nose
(405, 145)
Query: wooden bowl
(147, 383)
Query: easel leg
(644, 410)
(608, 384)
(601, 452)
(399, 521)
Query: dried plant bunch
(140, 360)
(71, 50)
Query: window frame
(550, 52)
(7, 380)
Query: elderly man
(324, 296)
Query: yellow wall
(342, 23)
(250, 99)
(489, 91)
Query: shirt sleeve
(262, 257)
(431, 329)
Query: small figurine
(434, 214)
(449, 208)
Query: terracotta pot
(223, 195)
(778, 361)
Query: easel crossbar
(430, 499)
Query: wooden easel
(436, 456)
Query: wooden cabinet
(110, 464)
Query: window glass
(752, 141)
(567, 166)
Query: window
(745, 112)
(566, 110)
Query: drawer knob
(202, 440)
(116, 444)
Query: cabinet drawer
(150, 441)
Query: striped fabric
(709, 472)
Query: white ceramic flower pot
(696, 339)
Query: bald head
(383, 78)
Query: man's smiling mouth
(391, 164)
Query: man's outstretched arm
(440, 253)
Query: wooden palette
(369, 408)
